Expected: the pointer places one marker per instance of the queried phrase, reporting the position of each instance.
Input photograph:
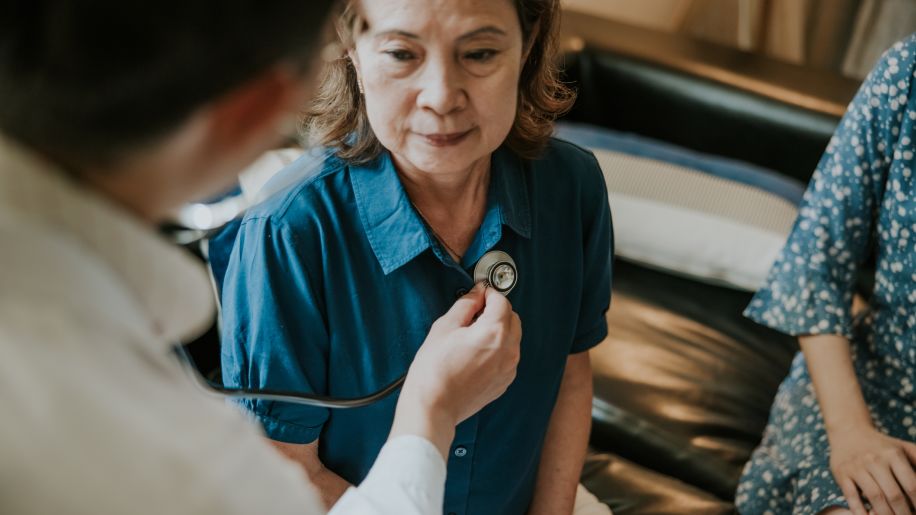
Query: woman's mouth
(445, 140)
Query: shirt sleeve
(273, 329)
(598, 256)
(408, 478)
(810, 287)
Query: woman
(440, 117)
(841, 431)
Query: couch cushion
(684, 383)
(630, 489)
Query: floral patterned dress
(861, 202)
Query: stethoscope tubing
(305, 399)
(483, 272)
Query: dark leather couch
(684, 383)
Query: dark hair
(85, 81)
(337, 116)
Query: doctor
(112, 114)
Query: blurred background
(845, 36)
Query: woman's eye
(400, 55)
(481, 55)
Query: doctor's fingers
(497, 307)
(463, 311)
(503, 332)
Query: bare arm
(838, 391)
(861, 457)
(566, 441)
(411, 418)
(329, 485)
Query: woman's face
(440, 78)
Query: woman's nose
(441, 88)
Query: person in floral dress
(841, 433)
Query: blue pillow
(593, 137)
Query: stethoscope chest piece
(498, 270)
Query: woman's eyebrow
(489, 29)
(395, 32)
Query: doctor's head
(441, 84)
(155, 103)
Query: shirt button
(461, 451)
(461, 292)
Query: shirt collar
(392, 226)
(511, 191)
(170, 286)
(394, 229)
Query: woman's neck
(453, 204)
(452, 195)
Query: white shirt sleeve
(408, 478)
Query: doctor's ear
(260, 112)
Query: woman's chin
(445, 160)
(443, 165)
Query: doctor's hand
(468, 360)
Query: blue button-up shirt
(332, 286)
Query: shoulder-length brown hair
(337, 117)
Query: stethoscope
(496, 269)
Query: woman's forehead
(423, 19)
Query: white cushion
(691, 214)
